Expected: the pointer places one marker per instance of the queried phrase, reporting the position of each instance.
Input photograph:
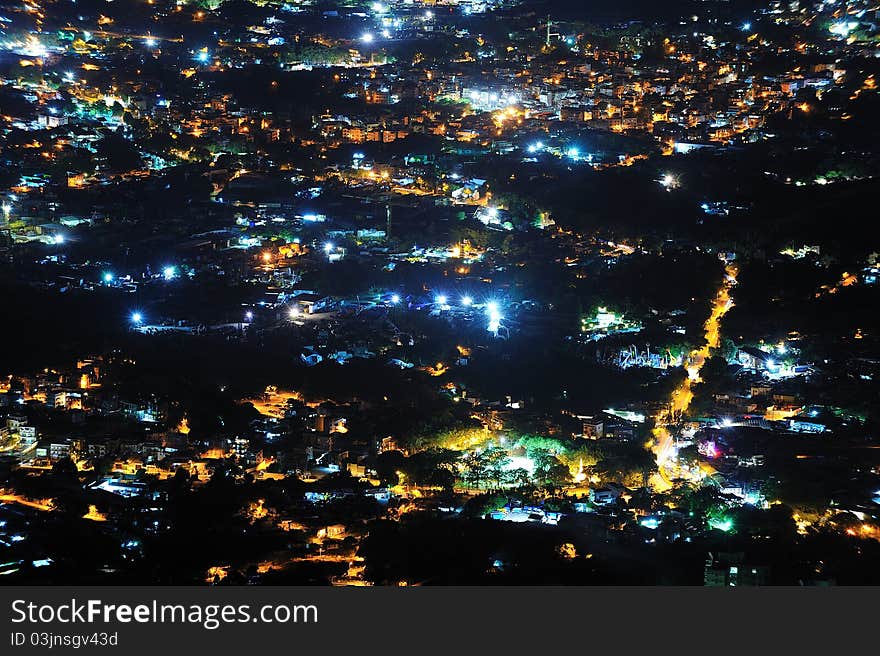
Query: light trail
(681, 397)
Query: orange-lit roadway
(682, 396)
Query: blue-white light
(441, 299)
(108, 277)
(467, 301)
(169, 272)
(494, 314)
(136, 317)
(395, 299)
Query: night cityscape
(440, 292)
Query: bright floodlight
(328, 247)
(367, 38)
(294, 312)
(467, 301)
(746, 26)
(572, 153)
(136, 317)
(203, 56)
(395, 299)
(669, 181)
(59, 239)
(249, 316)
(151, 42)
(429, 14)
(441, 299)
(108, 277)
(494, 316)
(169, 272)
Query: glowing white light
(108, 277)
(367, 38)
(328, 247)
(294, 312)
(467, 301)
(386, 34)
(249, 316)
(395, 299)
(495, 317)
(573, 153)
(151, 42)
(746, 26)
(727, 422)
(669, 181)
(68, 76)
(7, 208)
(379, 8)
(429, 14)
(441, 299)
(203, 56)
(136, 317)
(59, 239)
(169, 272)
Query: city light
(58, 239)
(494, 314)
(249, 316)
(367, 37)
(136, 317)
(169, 272)
(669, 181)
(467, 301)
(108, 277)
(395, 299)
(440, 299)
(573, 153)
(203, 56)
(294, 312)
(328, 247)
(151, 42)
(746, 26)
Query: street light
(467, 301)
(136, 318)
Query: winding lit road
(682, 396)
